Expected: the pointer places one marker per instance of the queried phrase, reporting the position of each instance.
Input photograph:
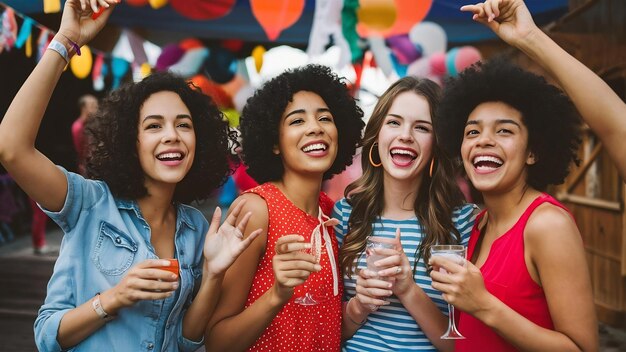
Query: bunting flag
(97, 74)
(8, 32)
(42, 43)
(29, 46)
(27, 28)
(51, 6)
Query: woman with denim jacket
(157, 145)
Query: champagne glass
(308, 299)
(371, 257)
(455, 253)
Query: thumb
(398, 236)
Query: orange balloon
(276, 15)
(212, 89)
(410, 13)
(375, 15)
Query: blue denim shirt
(104, 238)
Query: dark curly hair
(552, 120)
(112, 140)
(262, 114)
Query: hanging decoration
(51, 6)
(137, 3)
(375, 16)
(119, 69)
(97, 73)
(257, 55)
(8, 32)
(157, 4)
(203, 9)
(81, 65)
(27, 28)
(327, 25)
(276, 15)
(430, 37)
(42, 43)
(410, 12)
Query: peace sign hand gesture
(77, 24)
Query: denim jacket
(104, 238)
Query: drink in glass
(455, 253)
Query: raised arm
(33, 171)
(596, 102)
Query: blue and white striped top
(391, 328)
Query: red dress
(507, 278)
(298, 327)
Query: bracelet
(59, 48)
(350, 318)
(97, 306)
(72, 43)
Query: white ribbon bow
(316, 245)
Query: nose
(406, 134)
(314, 127)
(170, 135)
(485, 139)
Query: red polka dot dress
(298, 327)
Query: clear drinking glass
(371, 257)
(308, 299)
(456, 253)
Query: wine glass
(371, 257)
(456, 253)
(308, 299)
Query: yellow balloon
(377, 14)
(257, 55)
(157, 4)
(81, 65)
(145, 70)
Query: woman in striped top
(407, 192)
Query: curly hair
(112, 141)
(263, 112)
(552, 120)
(437, 195)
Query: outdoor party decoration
(210, 88)
(97, 73)
(42, 43)
(257, 55)
(461, 58)
(221, 65)
(381, 54)
(276, 15)
(170, 55)
(203, 9)
(157, 4)
(190, 63)
(327, 24)
(51, 6)
(430, 37)
(119, 69)
(81, 64)
(375, 15)
(410, 12)
(24, 33)
(8, 31)
(137, 2)
(403, 49)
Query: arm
(233, 328)
(33, 171)
(555, 258)
(596, 102)
(221, 248)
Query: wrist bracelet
(59, 48)
(97, 307)
(350, 318)
(72, 43)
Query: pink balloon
(438, 64)
(465, 57)
(419, 68)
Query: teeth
(492, 159)
(316, 146)
(170, 156)
(404, 151)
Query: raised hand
(292, 266)
(509, 19)
(144, 281)
(77, 24)
(223, 245)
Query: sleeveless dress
(298, 327)
(506, 277)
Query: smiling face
(405, 140)
(166, 141)
(495, 148)
(307, 135)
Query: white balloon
(381, 54)
(241, 97)
(430, 37)
(420, 67)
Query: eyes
(297, 120)
(420, 127)
(473, 131)
(179, 125)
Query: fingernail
(307, 245)
(388, 285)
(174, 276)
(318, 267)
(175, 285)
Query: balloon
(420, 68)
(208, 87)
(81, 65)
(404, 50)
(381, 54)
(137, 2)
(257, 55)
(464, 58)
(430, 37)
(409, 13)
(51, 6)
(232, 45)
(190, 63)
(170, 55)
(241, 97)
(438, 64)
(203, 9)
(234, 85)
(119, 69)
(190, 43)
(157, 4)
(276, 15)
(375, 16)
(400, 69)
(145, 70)
(221, 65)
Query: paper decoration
(97, 74)
(208, 87)
(119, 69)
(190, 63)
(327, 24)
(381, 54)
(42, 43)
(137, 3)
(28, 50)
(157, 4)
(376, 16)
(203, 9)
(51, 6)
(410, 12)
(349, 22)
(257, 55)
(81, 65)
(430, 37)
(25, 31)
(276, 15)
(221, 65)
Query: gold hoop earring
(432, 167)
(370, 154)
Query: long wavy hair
(437, 195)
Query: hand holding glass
(374, 243)
(455, 253)
(308, 299)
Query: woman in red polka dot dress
(299, 129)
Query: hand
(76, 22)
(462, 286)
(371, 291)
(509, 19)
(223, 245)
(292, 266)
(398, 269)
(144, 281)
